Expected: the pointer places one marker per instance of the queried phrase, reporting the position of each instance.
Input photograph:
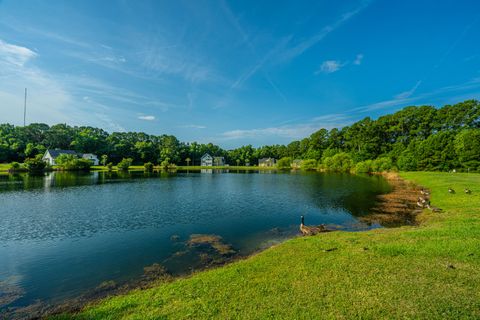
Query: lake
(62, 234)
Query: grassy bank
(430, 271)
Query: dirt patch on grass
(398, 207)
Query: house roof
(57, 152)
(206, 155)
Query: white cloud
(14, 54)
(193, 126)
(329, 66)
(358, 60)
(146, 118)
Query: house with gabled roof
(51, 155)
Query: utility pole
(25, 107)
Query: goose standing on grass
(424, 192)
(450, 190)
(311, 230)
(468, 191)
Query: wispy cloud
(304, 45)
(146, 118)
(408, 93)
(329, 66)
(193, 126)
(403, 99)
(14, 54)
(294, 131)
(358, 60)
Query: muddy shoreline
(394, 209)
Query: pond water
(62, 234)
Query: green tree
(284, 163)
(104, 160)
(124, 164)
(35, 164)
(467, 148)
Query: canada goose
(425, 193)
(468, 191)
(451, 190)
(434, 209)
(311, 230)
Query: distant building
(218, 161)
(50, 156)
(209, 161)
(296, 164)
(267, 162)
(206, 160)
(92, 157)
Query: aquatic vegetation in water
(9, 293)
(215, 241)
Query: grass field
(431, 271)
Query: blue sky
(233, 72)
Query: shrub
(70, 162)
(14, 166)
(382, 164)
(124, 164)
(284, 163)
(309, 164)
(35, 164)
(148, 167)
(364, 167)
(341, 162)
(165, 163)
(109, 166)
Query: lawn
(4, 166)
(430, 271)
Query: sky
(233, 72)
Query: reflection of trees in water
(354, 193)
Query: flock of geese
(423, 202)
(424, 199)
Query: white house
(206, 160)
(267, 162)
(51, 155)
(92, 157)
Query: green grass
(4, 166)
(430, 272)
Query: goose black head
(303, 219)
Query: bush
(124, 164)
(364, 167)
(341, 162)
(165, 164)
(14, 166)
(70, 162)
(284, 163)
(309, 164)
(382, 164)
(35, 164)
(110, 166)
(148, 167)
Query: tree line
(414, 138)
